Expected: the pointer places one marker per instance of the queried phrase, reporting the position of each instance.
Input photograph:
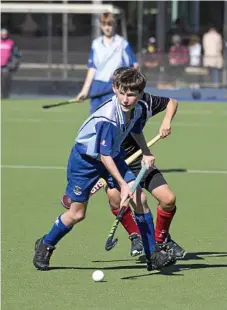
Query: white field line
(64, 121)
(61, 110)
(64, 168)
(65, 110)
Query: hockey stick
(48, 106)
(110, 243)
(101, 182)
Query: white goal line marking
(64, 168)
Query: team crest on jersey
(77, 190)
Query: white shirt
(107, 58)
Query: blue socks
(146, 227)
(57, 232)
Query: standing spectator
(178, 53)
(152, 56)
(108, 53)
(10, 56)
(178, 58)
(194, 51)
(213, 58)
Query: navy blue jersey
(151, 105)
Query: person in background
(152, 56)
(108, 53)
(213, 58)
(10, 59)
(178, 53)
(195, 49)
(178, 58)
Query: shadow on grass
(100, 268)
(178, 267)
(188, 256)
(173, 170)
(172, 270)
(140, 264)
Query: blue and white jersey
(107, 58)
(104, 131)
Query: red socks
(127, 220)
(163, 221)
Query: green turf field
(35, 148)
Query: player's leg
(144, 219)
(156, 184)
(82, 176)
(156, 258)
(127, 221)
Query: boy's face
(107, 28)
(128, 99)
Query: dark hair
(129, 78)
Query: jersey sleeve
(105, 139)
(131, 58)
(91, 58)
(152, 105)
(159, 104)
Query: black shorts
(152, 179)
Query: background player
(96, 154)
(108, 52)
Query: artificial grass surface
(30, 204)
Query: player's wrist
(167, 119)
(122, 183)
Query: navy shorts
(83, 172)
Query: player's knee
(114, 205)
(77, 214)
(169, 201)
(77, 217)
(114, 198)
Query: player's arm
(148, 159)
(110, 165)
(138, 136)
(157, 104)
(87, 84)
(171, 109)
(89, 77)
(130, 56)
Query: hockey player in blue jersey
(108, 52)
(96, 154)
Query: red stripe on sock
(163, 221)
(127, 221)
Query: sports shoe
(42, 255)
(136, 244)
(160, 259)
(172, 247)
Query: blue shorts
(83, 172)
(99, 87)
